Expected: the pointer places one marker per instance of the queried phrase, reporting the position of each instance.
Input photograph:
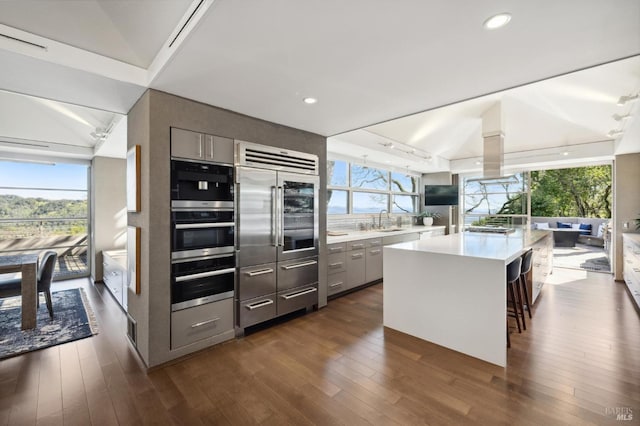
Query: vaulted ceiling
(365, 61)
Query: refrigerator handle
(281, 215)
(274, 215)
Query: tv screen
(441, 195)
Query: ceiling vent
(24, 42)
(268, 157)
(195, 10)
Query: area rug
(72, 320)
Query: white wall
(108, 209)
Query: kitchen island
(451, 290)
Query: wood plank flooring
(578, 362)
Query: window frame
(390, 193)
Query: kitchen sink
(390, 230)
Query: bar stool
(524, 271)
(513, 277)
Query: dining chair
(13, 287)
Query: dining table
(27, 265)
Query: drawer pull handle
(356, 256)
(260, 272)
(338, 284)
(336, 248)
(204, 275)
(374, 251)
(357, 246)
(200, 324)
(260, 304)
(300, 265)
(299, 293)
(335, 265)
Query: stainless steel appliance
(203, 237)
(277, 232)
(196, 281)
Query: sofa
(596, 236)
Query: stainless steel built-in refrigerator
(277, 232)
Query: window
(497, 201)
(44, 207)
(361, 189)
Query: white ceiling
(366, 61)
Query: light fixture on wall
(619, 117)
(628, 98)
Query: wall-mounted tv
(441, 195)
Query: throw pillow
(601, 229)
(563, 225)
(585, 229)
(575, 226)
(542, 225)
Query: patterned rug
(72, 320)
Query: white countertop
(505, 247)
(363, 235)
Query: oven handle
(204, 275)
(193, 259)
(260, 272)
(204, 225)
(260, 304)
(300, 265)
(298, 294)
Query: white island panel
(456, 301)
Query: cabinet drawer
(296, 273)
(355, 268)
(336, 283)
(256, 281)
(297, 298)
(336, 248)
(257, 310)
(356, 245)
(374, 264)
(336, 262)
(193, 324)
(374, 242)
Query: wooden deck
(578, 363)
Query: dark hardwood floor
(577, 363)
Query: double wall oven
(203, 236)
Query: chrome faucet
(380, 217)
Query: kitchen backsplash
(363, 222)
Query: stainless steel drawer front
(256, 281)
(293, 300)
(297, 273)
(257, 310)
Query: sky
(33, 175)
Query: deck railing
(67, 236)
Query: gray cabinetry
(199, 146)
(631, 265)
(114, 275)
(542, 265)
(356, 268)
(209, 321)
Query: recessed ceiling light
(624, 99)
(565, 153)
(478, 163)
(309, 101)
(497, 21)
(619, 117)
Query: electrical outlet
(625, 225)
